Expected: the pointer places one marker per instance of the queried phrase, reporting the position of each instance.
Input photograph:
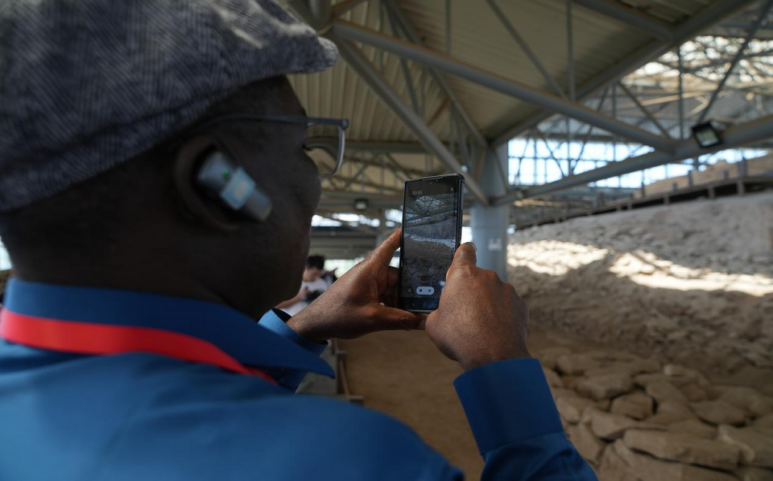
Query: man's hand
(480, 318)
(352, 306)
(301, 295)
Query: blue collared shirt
(142, 416)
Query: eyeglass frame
(341, 124)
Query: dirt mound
(689, 283)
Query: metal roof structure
(439, 86)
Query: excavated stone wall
(688, 283)
(637, 419)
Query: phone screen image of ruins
(429, 237)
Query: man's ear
(187, 161)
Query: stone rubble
(680, 291)
(575, 364)
(665, 419)
(696, 428)
(683, 447)
(605, 386)
(673, 370)
(644, 380)
(764, 422)
(694, 393)
(662, 391)
(553, 379)
(749, 399)
(646, 468)
(588, 445)
(631, 428)
(613, 467)
(756, 446)
(613, 426)
(719, 412)
(572, 408)
(748, 473)
(636, 405)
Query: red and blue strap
(103, 339)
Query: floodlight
(360, 204)
(706, 135)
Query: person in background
(312, 286)
(330, 276)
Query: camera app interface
(429, 237)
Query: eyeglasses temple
(340, 159)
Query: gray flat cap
(88, 84)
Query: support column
(489, 224)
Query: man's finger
(384, 253)
(465, 256)
(390, 318)
(393, 276)
(389, 297)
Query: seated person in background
(330, 276)
(312, 286)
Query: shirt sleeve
(516, 424)
(276, 322)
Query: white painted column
(489, 224)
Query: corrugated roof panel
(345, 95)
(479, 38)
(339, 92)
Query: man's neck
(168, 282)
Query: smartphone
(432, 231)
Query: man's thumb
(466, 255)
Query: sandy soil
(404, 375)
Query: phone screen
(432, 221)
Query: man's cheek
(309, 197)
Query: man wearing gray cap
(152, 180)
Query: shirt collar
(238, 335)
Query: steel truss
(650, 109)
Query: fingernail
(473, 246)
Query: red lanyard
(89, 338)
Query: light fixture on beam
(706, 135)
(361, 204)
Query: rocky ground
(639, 419)
(689, 283)
(680, 300)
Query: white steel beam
(394, 12)
(709, 17)
(354, 32)
(365, 70)
(525, 47)
(738, 56)
(738, 136)
(644, 110)
(342, 7)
